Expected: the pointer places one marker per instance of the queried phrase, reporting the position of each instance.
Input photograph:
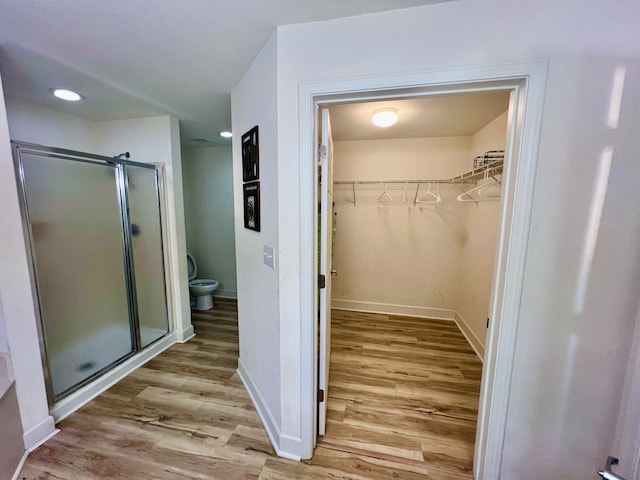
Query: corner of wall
(18, 308)
(286, 446)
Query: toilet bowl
(200, 288)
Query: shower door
(143, 184)
(74, 211)
(94, 235)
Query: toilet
(200, 288)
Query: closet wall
(392, 256)
(478, 253)
(392, 252)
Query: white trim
(6, 372)
(76, 400)
(394, 309)
(431, 313)
(26, 453)
(36, 436)
(224, 293)
(626, 445)
(469, 334)
(23, 460)
(528, 80)
(183, 336)
(284, 445)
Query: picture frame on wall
(251, 194)
(250, 155)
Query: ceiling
(436, 116)
(138, 58)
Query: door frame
(528, 81)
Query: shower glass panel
(75, 218)
(148, 260)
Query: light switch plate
(269, 256)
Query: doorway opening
(525, 84)
(409, 224)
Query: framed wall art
(252, 205)
(250, 156)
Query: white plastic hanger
(385, 197)
(480, 192)
(404, 194)
(429, 196)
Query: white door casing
(528, 80)
(326, 241)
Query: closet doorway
(409, 225)
(526, 84)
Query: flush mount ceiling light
(226, 134)
(385, 117)
(65, 94)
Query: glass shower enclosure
(93, 227)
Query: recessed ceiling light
(226, 134)
(385, 117)
(65, 94)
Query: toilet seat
(202, 282)
(192, 267)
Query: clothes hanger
(479, 191)
(404, 195)
(429, 196)
(385, 197)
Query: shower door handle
(135, 229)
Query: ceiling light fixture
(65, 94)
(226, 134)
(385, 117)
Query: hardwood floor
(186, 415)
(404, 389)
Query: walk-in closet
(416, 213)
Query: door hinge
(320, 396)
(487, 322)
(322, 281)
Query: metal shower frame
(121, 183)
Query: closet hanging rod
(397, 182)
(495, 168)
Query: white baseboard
(36, 436)
(414, 311)
(73, 402)
(25, 455)
(393, 309)
(283, 444)
(6, 372)
(223, 293)
(23, 460)
(185, 335)
(471, 337)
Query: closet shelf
(472, 176)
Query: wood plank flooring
(403, 389)
(186, 415)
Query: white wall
(209, 214)
(149, 140)
(583, 42)
(393, 252)
(478, 253)
(258, 284)
(17, 303)
(35, 124)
